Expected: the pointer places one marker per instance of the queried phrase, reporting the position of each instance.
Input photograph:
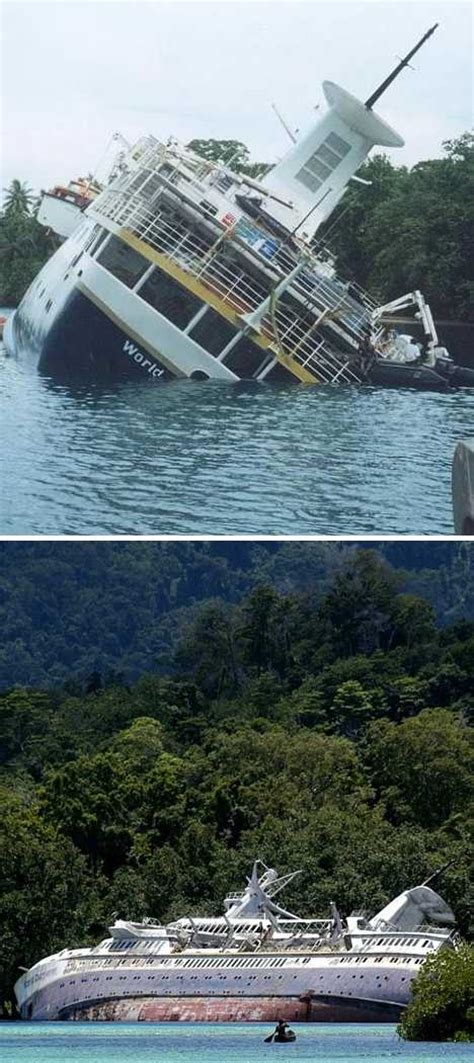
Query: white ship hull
(332, 988)
(60, 215)
(79, 322)
(271, 964)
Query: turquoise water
(228, 1043)
(247, 459)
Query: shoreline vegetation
(442, 1008)
(411, 228)
(316, 712)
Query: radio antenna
(284, 124)
(391, 77)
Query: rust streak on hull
(232, 1009)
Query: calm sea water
(189, 458)
(229, 1043)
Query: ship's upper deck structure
(183, 216)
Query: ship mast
(314, 173)
(403, 62)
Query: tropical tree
(46, 894)
(442, 1008)
(231, 152)
(19, 198)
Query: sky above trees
(197, 69)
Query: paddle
(267, 1040)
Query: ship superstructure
(61, 207)
(257, 962)
(183, 268)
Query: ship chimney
(315, 172)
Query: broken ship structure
(183, 268)
(256, 962)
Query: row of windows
(240, 962)
(146, 183)
(122, 261)
(180, 962)
(321, 164)
(221, 977)
(180, 306)
(371, 958)
(235, 961)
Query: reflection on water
(189, 458)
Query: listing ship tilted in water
(257, 962)
(183, 268)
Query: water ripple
(225, 459)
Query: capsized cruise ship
(182, 268)
(257, 962)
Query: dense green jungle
(412, 228)
(170, 711)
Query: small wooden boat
(281, 1038)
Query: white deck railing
(298, 335)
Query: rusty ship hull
(236, 1009)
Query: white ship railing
(205, 259)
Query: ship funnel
(315, 172)
(412, 908)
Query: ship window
(137, 181)
(169, 172)
(224, 182)
(328, 156)
(151, 186)
(91, 237)
(170, 298)
(213, 333)
(245, 358)
(317, 167)
(305, 177)
(93, 251)
(338, 144)
(123, 262)
(320, 165)
(208, 208)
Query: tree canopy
(412, 229)
(306, 724)
(25, 245)
(231, 152)
(442, 1008)
(67, 612)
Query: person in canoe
(282, 1033)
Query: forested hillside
(69, 609)
(326, 725)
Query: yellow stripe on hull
(198, 288)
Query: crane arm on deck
(410, 299)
